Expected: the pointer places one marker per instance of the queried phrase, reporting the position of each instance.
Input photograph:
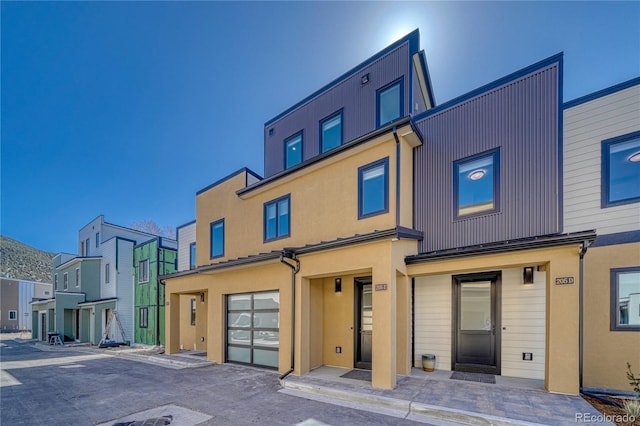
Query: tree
(152, 227)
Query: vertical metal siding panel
(358, 103)
(521, 118)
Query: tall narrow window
(373, 188)
(82, 250)
(97, 239)
(55, 282)
(625, 299)
(192, 256)
(77, 277)
(86, 247)
(621, 170)
(143, 271)
(107, 273)
(217, 238)
(65, 283)
(331, 132)
(476, 183)
(193, 311)
(144, 317)
(390, 102)
(293, 150)
(277, 218)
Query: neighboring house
(186, 235)
(387, 227)
(91, 285)
(151, 260)
(15, 300)
(602, 192)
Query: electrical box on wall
(527, 356)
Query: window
(144, 317)
(97, 239)
(373, 188)
(476, 183)
(193, 311)
(276, 218)
(55, 282)
(77, 277)
(293, 150)
(331, 132)
(625, 299)
(217, 238)
(107, 273)
(621, 170)
(390, 102)
(47, 292)
(86, 247)
(143, 271)
(192, 256)
(65, 281)
(82, 248)
(13, 315)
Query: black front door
(476, 323)
(364, 322)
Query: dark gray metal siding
(522, 119)
(357, 101)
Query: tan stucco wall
(562, 315)
(607, 352)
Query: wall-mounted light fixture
(338, 285)
(202, 297)
(527, 275)
(364, 79)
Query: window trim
(289, 139)
(384, 162)
(338, 113)
(192, 255)
(276, 201)
(15, 315)
(140, 280)
(605, 169)
(399, 81)
(211, 225)
(495, 153)
(145, 323)
(613, 302)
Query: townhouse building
(89, 286)
(16, 296)
(152, 259)
(387, 227)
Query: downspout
(395, 135)
(287, 254)
(583, 250)
(158, 295)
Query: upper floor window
(143, 271)
(389, 100)
(77, 277)
(65, 281)
(476, 183)
(86, 247)
(217, 238)
(97, 239)
(192, 256)
(373, 188)
(107, 273)
(55, 282)
(293, 150)
(277, 218)
(621, 170)
(625, 299)
(331, 132)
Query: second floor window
(373, 188)
(276, 218)
(476, 183)
(217, 238)
(107, 273)
(293, 150)
(192, 256)
(331, 132)
(77, 277)
(55, 282)
(390, 103)
(143, 271)
(621, 170)
(97, 239)
(65, 281)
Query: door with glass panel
(253, 326)
(476, 323)
(364, 322)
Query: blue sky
(128, 108)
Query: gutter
(290, 255)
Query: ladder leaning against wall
(112, 321)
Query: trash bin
(428, 362)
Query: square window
(476, 183)
(389, 100)
(277, 218)
(13, 315)
(293, 150)
(373, 188)
(621, 170)
(625, 299)
(217, 239)
(192, 256)
(143, 271)
(331, 132)
(144, 317)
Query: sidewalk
(436, 399)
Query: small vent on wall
(271, 131)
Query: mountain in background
(18, 260)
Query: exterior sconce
(364, 79)
(202, 297)
(527, 275)
(338, 285)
